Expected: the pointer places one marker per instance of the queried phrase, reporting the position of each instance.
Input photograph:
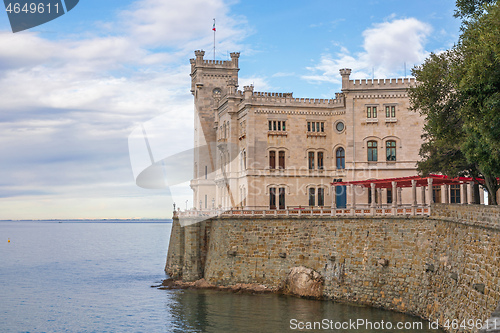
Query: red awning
(437, 180)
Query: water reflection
(215, 311)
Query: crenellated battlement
(287, 98)
(272, 94)
(397, 83)
(200, 62)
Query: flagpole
(214, 38)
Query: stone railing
(311, 212)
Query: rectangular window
(372, 151)
(272, 198)
(321, 197)
(311, 160)
(368, 112)
(316, 126)
(393, 111)
(455, 194)
(390, 150)
(387, 112)
(312, 196)
(320, 161)
(281, 159)
(277, 125)
(281, 200)
(374, 112)
(272, 159)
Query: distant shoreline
(96, 220)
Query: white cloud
(387, 47)
(259, 83)
(68, 106)
(390, 44)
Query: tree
(458, 93)
(467, 9)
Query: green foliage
(459, 96)
(470, 8)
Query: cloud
(260, 83)
(387, 47)
(68, 106)
(184, 24)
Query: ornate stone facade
(267, 150)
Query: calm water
(96, 277)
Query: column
(431, 197)
(423, 195)
(333, 192)
(446, 194)
(353, 197)
(414, 192)
(400, 197)
(394, 194)
(372, 185)
(471, 193)
(463, 191)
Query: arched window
(272, 159)
(272, 198)
(281, 159)
(281, 200)
(390, 149)
(372, 151)
(312, 196)
(320, 160)
(340, 154)
(311, 160)
(321, 197)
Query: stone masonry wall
(433, 267)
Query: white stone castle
(272, 151)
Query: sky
(74, 89)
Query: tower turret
(210, 79)
(345, 73)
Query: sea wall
(441, 267)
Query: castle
(272, 151)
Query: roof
(407, 181)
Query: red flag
(214, 26)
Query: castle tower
(210, 80)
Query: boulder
(304, 282)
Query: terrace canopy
(428, 184)
(435, 180)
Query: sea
(97, 276)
